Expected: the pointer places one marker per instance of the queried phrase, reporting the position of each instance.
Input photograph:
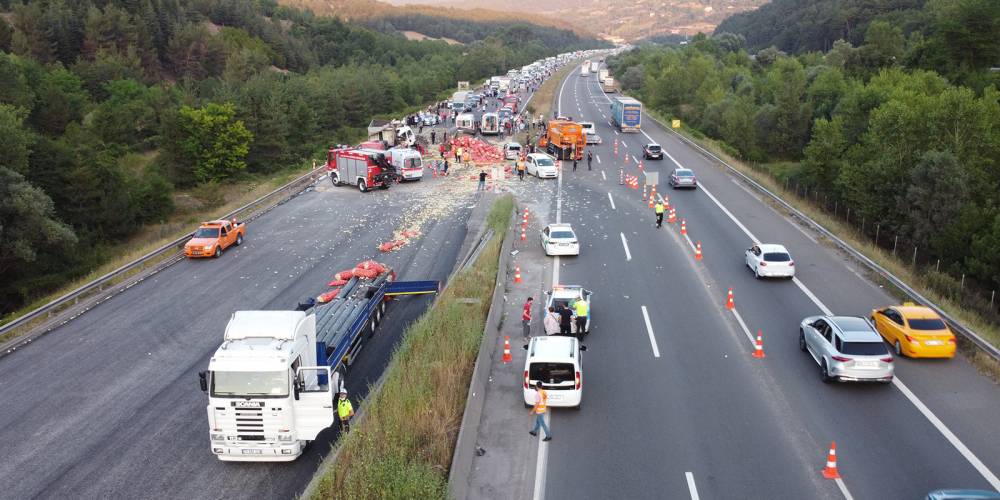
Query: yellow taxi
(914, 331)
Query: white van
(558, 362)
(466, 122)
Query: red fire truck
(512, 100)
(364, 168)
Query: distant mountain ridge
(627, 19)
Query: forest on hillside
(903, 131)
(106, 106)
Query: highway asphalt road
(108, 405)
(701, 417)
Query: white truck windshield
(257, 384)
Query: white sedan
(770, 261)
(559, 239)
(541, 165)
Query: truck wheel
(239, 239)
(361, 186)
(218, 252)
(335, 179)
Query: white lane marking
(628, 255)
(745, 329)
(649, 328)
(598, 158)
(603, 176)
(691, 487)
(843, 489)
(611, 199)
(965, 451)
(623, 143)
(815, 299)
(543, 452)
(616, 132)
(691, 243)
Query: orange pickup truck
(213, 237)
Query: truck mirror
(583, 347)
(295, 387)
(203, 380)
(525, 347)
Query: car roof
(539, 155)
(552, 347)
(563, 225)
(917, 312)
(772, 248)
(853, 328)
(652, 144)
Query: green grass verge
(541, 103)
(403, 445)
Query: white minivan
(558, 362)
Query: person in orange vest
(539, 410)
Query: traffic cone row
(759, 353)
(506, 349)
(729, 302)
(673, 215)
(517, 274)
(525, 216)
(524, 237)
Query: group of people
(559, 318)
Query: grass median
(403, 444)
(541, 103)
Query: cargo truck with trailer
(602, 74)
(626, 113)
(594, 65)
(273, 383)
(609, 84)
(585, 69)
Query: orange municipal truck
(564, 140)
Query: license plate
(555, 398)
(252, 452)
(196, 253)
(934, 342)
(866, 363)
(564, 244)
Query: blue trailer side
(626, 113)
(335, 355)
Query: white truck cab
(267, 398)
(466, 122)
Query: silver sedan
(846, 348)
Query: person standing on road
(551, 323)
(659, 213)
(482, 181)
(565, 319)
(526, 318)
(581, 318)
(446, 167)
(590, 158)
(539, 410)
(345, 411)
(520, 169)
(432, 136)
(574, 162)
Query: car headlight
(218, 437)
(284, 437)
(209, 247)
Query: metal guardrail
(156, 257)
(858, 256)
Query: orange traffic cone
(684, 229)
(234, 221)
(697, 252)
(759, 353)
(666, 201)
(506, 349)
(654, 191)
(640, 165)
(673, 215)
(517, 274)
(524, 237)
(651, 198)
(435, 173)
(626, 158)
(729, 303)
(831, 463)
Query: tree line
(907, 149)
(107, 106)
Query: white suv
(559, 239)
(557, 362)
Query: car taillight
(887, 360)
(574, 242)
(791, 264)
(951, 341)
(841, 358)
(763, 263)
(525, 379)
(912, 340)
(578, 380)
(694, 178)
